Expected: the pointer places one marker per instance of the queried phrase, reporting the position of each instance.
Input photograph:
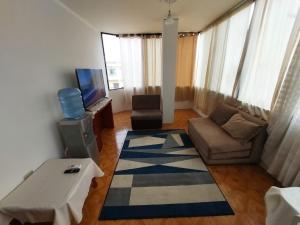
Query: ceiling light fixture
(169, 19)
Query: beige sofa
(216, 146)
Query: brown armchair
(146, 112)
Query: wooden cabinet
(102, 118)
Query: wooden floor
(244, 186)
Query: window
(272, 25)
(112, 53)
(252, 79)
(219, 51)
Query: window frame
(103, 51)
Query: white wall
(41, 43)
(118, 101)
(169, 46)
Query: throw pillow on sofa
(222, 114)
(240, 128)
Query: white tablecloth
(50, 195)
(283, 206)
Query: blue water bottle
(71, 103)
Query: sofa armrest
(258, 144)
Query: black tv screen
(91, 84)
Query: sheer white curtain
(270, 31)
(218, 56)
(131, 66)
(237, 32)
(202, 58)
(282, 149)
(152, 58)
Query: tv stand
(102, 116)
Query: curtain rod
(180, 34)
(241, 5)
(139, 35)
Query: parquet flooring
(244, 186)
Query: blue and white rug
(160, 174)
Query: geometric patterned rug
(160, 174)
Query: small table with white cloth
(283, 206)
(49, 195)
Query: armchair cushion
(140, 102)
(146, 114)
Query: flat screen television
(91, 84)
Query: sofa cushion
(248, 116)
(253, 119)
(240, 128)
(146, 115)
(216, 140)
(222, 114)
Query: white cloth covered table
(50, 195)
(283, 206)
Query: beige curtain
(282, 152)
(219, 52)
(287, 57)
(152, 58)
(237, 57)
(186, 52)
(269, 35)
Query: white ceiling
(142, 16)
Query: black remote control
(72, 170)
